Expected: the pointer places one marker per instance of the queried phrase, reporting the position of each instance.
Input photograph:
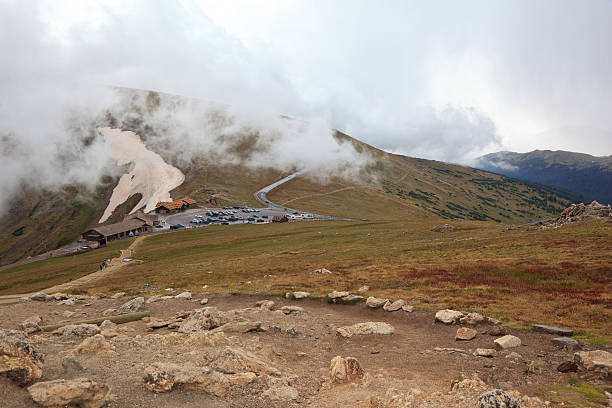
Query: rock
(118, 295)
(408, 308)
(60, 296)
(336, 294)
(19, 361)
(282, 393)
(78, 330)
(497, 331)
(163, 377)
(363, 289)
(107, 324)
(132, 306)
(204, 301)
(350, 299)
(465, 333)
(203, 319)
(448, 316)
(345, 369)
(594, 360)
(566, 342)
(291, 310)
(443, 228)
(40, 297)
(71, 366)
(365, 328)
(68, 302)
(482, 352)
(93, 344)
(567, 367)
(265, 304)
(552, 330)
(183, 295)
(321, 271)
(392, 399)
(67, 314)
(233, 361)
(375, 303)
(507, 341)
(497, 399)
(31, 324)
(300, 295)
(241, 379)
(153, 299)
(109, 312)
(81, 392)
(392, 307)
(472, 318)
(240, 327)
(514, 356)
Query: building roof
(147, 219)
(123, 226)
(188, 200)
(170, 205)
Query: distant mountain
(588, 175)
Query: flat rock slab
(507, 341)
(568, 342)
(552, 330)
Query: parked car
(176, 226)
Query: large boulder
(233, 361)
(31, 324)
(345, 369)
(394, 306)
(594, 360)
(448, 316)
(80, 392)
(375, 303)
(365, 328)
(497, 399)
(163, 377)
(132, 306)
(203, 319)
(472, 318)
(19, 361)
(507, 341)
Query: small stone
(336, 294)
(465, 334)
(366, 328)
(566, 342)
(80, 392)
(345, 369)
(153, 299)
(552, 330)
(472, 318)
(375, 303)
(31, 324)
(132, 306)
(322, 271)
(265, 304)
(118, 295)
(351, 299)
(163, 377)
(497, 399)
(291, 310)
(507, 341)
(281, 393)
(78, 330)
(71, 366)
(204, 301)
(363, 289)
(183, 295)
(204, 319)
(93, 344)
(40, 297)
(394, 306)
(497, 331)
(300, 295)
(109, 312)
(408, 308)
(448, 316)
(482, 352)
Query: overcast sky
(433, 79)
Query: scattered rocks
(291, 310)
(336, 295)
(183, 295)
(472, 318)
(552, 330)
(594, 360)
(203, 319)
(132, 306)
(482, 352)
(507, 341)
(567, 367)
(566, 342)
(283, 393)
(19, 361)
(375, 303)
(31, 324)
(497, 399)
(578, 212)
(78, 330)
(345, 369)
(448, 316)
(394, 306)
(465, 334)
(163, 377)
(81, 392)
(365, 329)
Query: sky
(442, 80)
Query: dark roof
(123, 226)
(170, 205)
(147, 219)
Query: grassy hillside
(583, 173)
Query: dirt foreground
(274, 359)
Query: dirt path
(115, 264)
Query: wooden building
(103, 234)
(280, 218)
(169, 207)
